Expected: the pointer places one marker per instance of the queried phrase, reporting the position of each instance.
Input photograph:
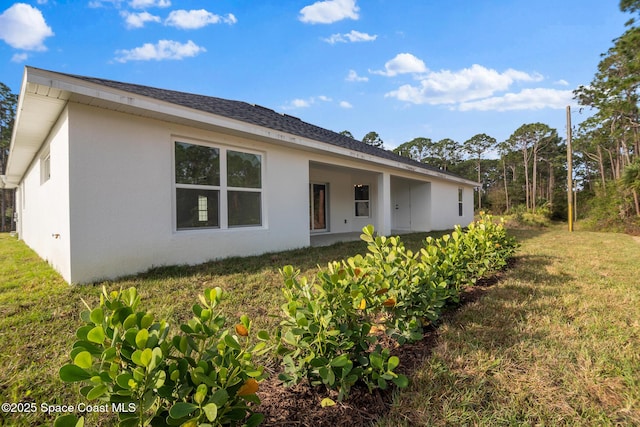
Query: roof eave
(42, 89)
(39, 106)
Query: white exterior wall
(108, 209)
(444, 205)
(421, 206)
(122, 203)
(43, 214)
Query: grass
(39, 312)
(556, 342)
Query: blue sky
(402, 68)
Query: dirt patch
(300, 405)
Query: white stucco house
(114, 178)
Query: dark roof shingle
(257, 115)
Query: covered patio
(343, 200)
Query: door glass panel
(318, 206)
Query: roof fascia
(164, 108)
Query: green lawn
(556, 342)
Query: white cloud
(23, 27)
(561, 82)
(163, 50)
(101, 3)
(194, 19)
(329, 11)
(137, 20)
(136, 4)
(345, 104)
(19, 57)
(450, 87)
(305, 103)
(403, 63)
(299, 103)
(144, 4)
(354, 77)
(353, 37)
(527, 99)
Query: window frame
(45, 167)
(460, 202)
(356, 201)
(223, 189)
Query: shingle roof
(258, 115)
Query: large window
(362, 202)
(217, 187)
(459, 201)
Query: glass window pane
(245, 208)
(197, 164)
(244, 170)
(361, 192)
(197, 208)
(362, 208)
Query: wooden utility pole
(569, 171)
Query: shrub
(522, 217)
(412, 287)
(326, 331)
(326, 334)
(203, 376)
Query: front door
(400, 205)
(318, 207)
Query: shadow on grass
(507, 309)
(495, 334)
(522, 234)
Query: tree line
(525, 174)
(8, 103)
(528, 171)
(608, 143)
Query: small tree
(477, 146)
(373, 139)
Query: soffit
(38, 110)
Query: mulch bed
(300, 405)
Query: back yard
(555, 341)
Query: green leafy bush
(203, 376)
(326, 331)
(326, 334)
(412, 287)
(523, 217)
